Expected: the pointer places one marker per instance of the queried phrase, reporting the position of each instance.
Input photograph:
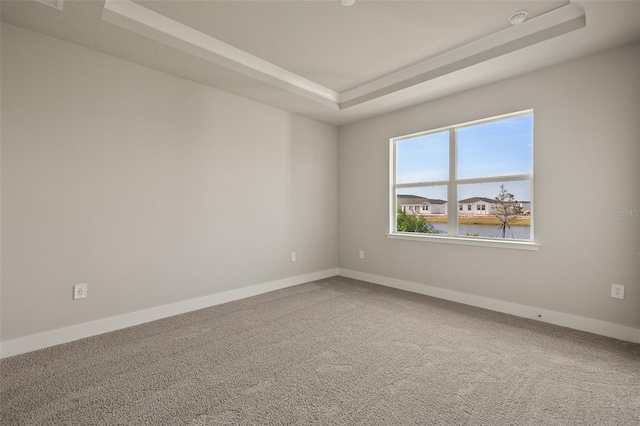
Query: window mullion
(488, 179)
(421, 184)
(452, 189)
(393, 196)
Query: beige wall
(153, 189)
(150, 188)
(587, 160)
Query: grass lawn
(478, 220)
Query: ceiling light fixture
(518, 17)
(347, 2)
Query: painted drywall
(150, 188)
(587, 157)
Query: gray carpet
(331, 352)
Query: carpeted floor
(331, 352)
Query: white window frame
(452, 183)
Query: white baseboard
(602, 328)
(63, 335)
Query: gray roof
(421, 200)
(436, 201)
(416, 199)
(476, 199)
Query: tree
(506, 209)
(413, 223)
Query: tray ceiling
(344, 47)
(333, 63)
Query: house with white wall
(476, 206)
(485, 206)
(413, 204)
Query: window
(488, 163)
(425, 208)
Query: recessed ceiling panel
(344, 47)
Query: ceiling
(333, 63)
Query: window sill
(467, 241)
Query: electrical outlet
(361, 254)
(293, 257)
(79, 291)
(617, 291)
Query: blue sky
(499, 148)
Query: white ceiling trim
(145, 22)
(544, 27)
(140, 20)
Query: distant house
(475, 205)
(482, 205)
(525, 206)
(413, 204)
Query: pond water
(516, 232)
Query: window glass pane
(498, 148)
(484, 216)
(422, 209)
(423, 158)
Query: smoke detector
(347, 2)
(518, 17)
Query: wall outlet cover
(617, 291)
(80, 291)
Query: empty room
(328, 212)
